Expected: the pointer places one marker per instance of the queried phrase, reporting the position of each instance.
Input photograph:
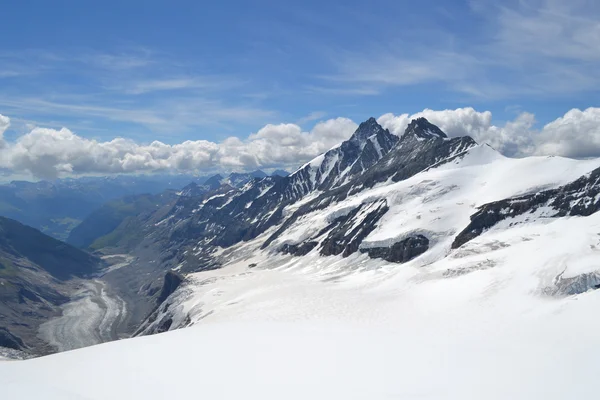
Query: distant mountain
(109, 216)
(234, 179)
(57, 207)
(33, 269)
(213, 182)
(244, 212)
(280, 172)
(239, 179)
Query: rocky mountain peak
(366, 129)
(214, 182)
(421, 128)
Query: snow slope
(508, 315)
(313, 331)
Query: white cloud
(576, 134)
(459, 122)
(48, 153)
(4, 124)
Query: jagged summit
(213, 182)
(367, 129)
(423, 129)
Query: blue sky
(216, 69)
(189, 70)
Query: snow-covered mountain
(410, 267)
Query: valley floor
(91, 317)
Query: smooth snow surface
(490, 320)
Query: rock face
(10, 341)
(579, 197)
(402, 251)
(171, 283)
(299, 249)
(348, 232)
(422, 146)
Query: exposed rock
(164, 325)
(213, 182)
(7, 339)
(400, 252)
(299, 249)
(172, 281)
(579, 197)
(422, 146)
(351, 229)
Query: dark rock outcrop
(299, 249)
(351, 229)
(172, 281)
(7, 339)
(402, 251)
(578, 198)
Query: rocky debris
(578, 198)
(400, 252)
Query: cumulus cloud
(576, 134)
(49, 153)
(512, 139)
(4, 124)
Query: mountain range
(429, 246)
